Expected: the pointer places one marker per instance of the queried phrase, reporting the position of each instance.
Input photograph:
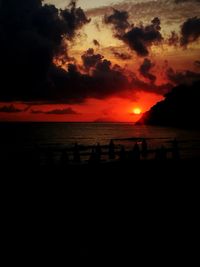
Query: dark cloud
(162, 89)
(184, 77)
(141, 38)
(103, 80)
(27, 69)
(173, 39)
(122, 56)
(75, 18)
(96, 43)
(67, 111)
(171, 13)
(10, 109)
(119, 21)
(145, 70)
(184, 1)
(90, 59)
(110, 79)
(31, 36)
(190, 31)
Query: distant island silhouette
(180, 108)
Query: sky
(94, 60)
(85, 4)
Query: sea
(59, 136)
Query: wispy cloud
(66, 111)
(12, 109)
(170, 11)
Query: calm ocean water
(61, 135)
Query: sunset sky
(104, 61)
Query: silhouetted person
(98, 152)
(111, 150)
(144, 151)
(136, 152)
(77, 157)
(175, 150)
(93, 156)
(64, 159)
(122, 154)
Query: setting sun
(137, 111)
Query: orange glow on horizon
(113, 109)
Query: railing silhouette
(79, 154)
(47, 155)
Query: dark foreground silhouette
(111, 155)
(179, 109)
(97, 154)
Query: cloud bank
(33, 35)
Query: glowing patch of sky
(87, 4)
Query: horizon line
(35, 121)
